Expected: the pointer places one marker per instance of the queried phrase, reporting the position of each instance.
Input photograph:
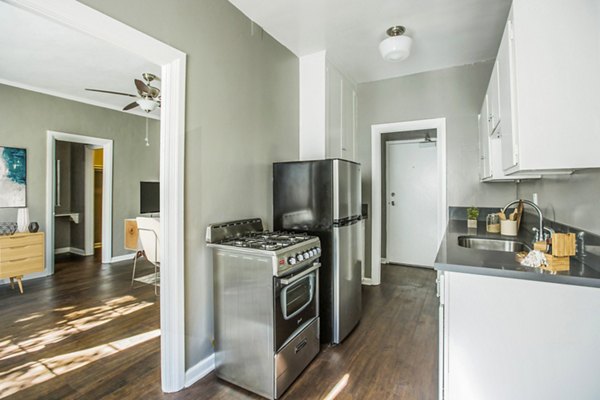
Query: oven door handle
(301, 275)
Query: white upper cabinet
(548, 78)
(341, 115)
(328, 110)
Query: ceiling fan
(148, 97)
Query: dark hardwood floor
(85, 334)
(392, 354)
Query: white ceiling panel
(446, 33)
(39, 54)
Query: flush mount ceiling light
(396, 47)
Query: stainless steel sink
(479, 243)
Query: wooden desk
(21, 254)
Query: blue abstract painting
(13, 177)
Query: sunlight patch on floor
(337, 389)
(74, 322)
(33, 373)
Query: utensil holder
(508, 228)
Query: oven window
(297, 297)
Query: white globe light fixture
(147, 105)
(397, 46)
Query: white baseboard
(199, 370)
(74, 250)
(78, 252)
(124, 257)
(367, 281)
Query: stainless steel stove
(266, 304)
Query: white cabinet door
(334, 113)
(518, 339)
(341, 115)
(507, 129)
(493, 101)
(348, 118)
(484, 143)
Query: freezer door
(347, 300)
(302, 198)
(346, 190)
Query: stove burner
(267, 240)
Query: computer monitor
(149, 197)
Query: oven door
(296, 302)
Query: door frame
(376, 132)
(107, 185)
(89, 199)
(85, 19)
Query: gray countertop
(452, 257)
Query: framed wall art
(13, 177)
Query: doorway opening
(85, 19)
(379, 241)
(71, 204)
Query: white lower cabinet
(504, 338)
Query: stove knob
(292, 260)
(311, 252)
(318, 250)
(306, 255)
(299, 257)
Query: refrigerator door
(347, 299)
(346, 190)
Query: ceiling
(445, 33)
(44, 56)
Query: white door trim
(172, 132)
(107, 182)
(89, 202)
(376, 131)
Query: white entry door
(412, 193)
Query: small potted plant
(472, 215)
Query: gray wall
(26, 116)
(241, 116)
(572, 200)
(453, 93)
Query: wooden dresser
(21, 254)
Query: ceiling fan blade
(130, 106)
(142, 88)
(111, 92)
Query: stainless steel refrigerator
(323, 198)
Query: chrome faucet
(539, 233)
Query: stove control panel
(305, 254)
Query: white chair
(149, 238)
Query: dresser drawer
(21, 267)
(20, 252)
(18, 240)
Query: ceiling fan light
(147, 105)
(395, 48)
